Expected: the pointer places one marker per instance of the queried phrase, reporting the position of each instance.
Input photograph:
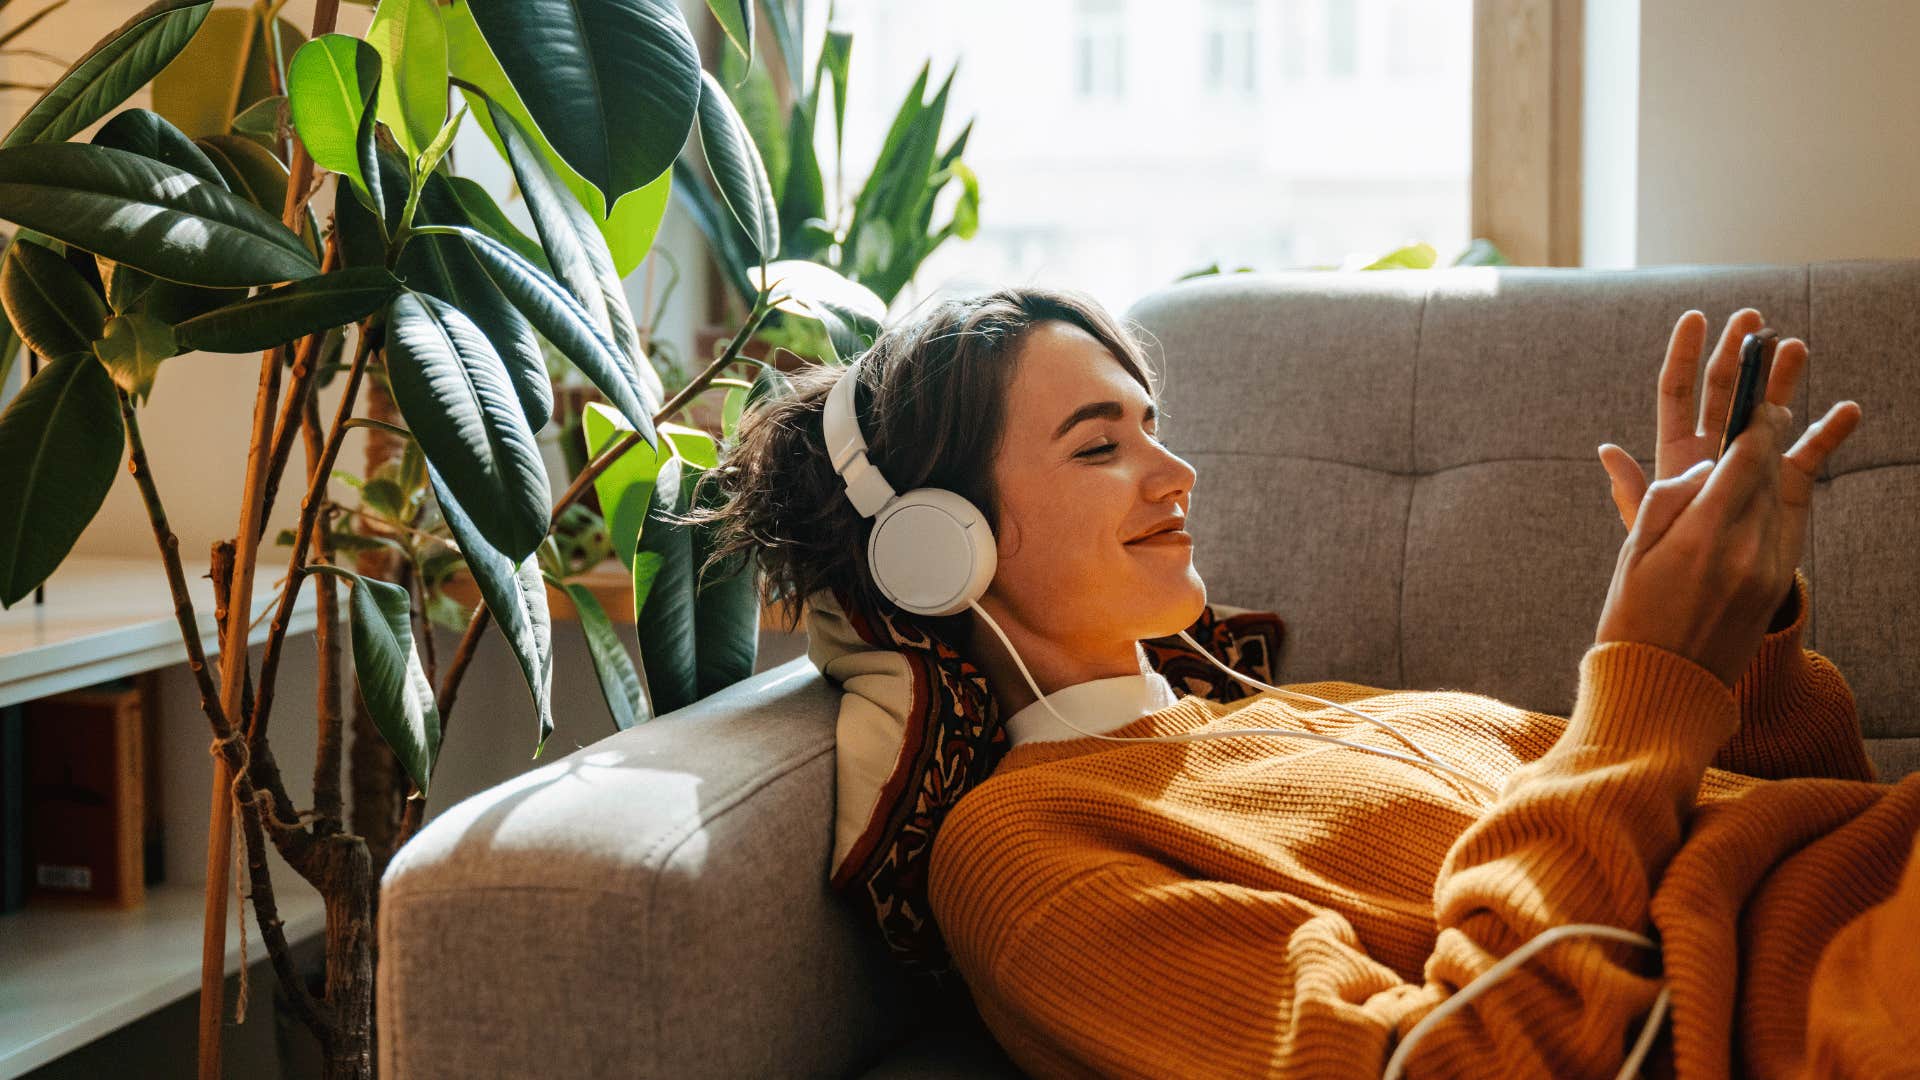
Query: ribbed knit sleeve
(1863, 1013)
(1797, 715)
(1580, 836)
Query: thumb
(1629, 484)
(1665, 501)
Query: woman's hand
(1684, 442)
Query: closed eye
(1097, 450)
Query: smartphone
(1756, 363)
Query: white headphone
(932, 553)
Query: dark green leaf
(737, 169)
(227, 67)
(784, 19)
(152, 217)
(517, 597)
(253, 173)
(460, 404)
(50, 305)
(61, 440)
(260, 119)
(619, 682)
(588, 69)
(663, 596)
(111, 71)
(836, 50)
(804, 198)
(289, 312)
(484, 214)
(387, 667)
(446, 268)
(147, 133)
(555, 314)
(576, 251)
(726, 607)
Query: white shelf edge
(177, 907)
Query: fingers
(1676, 408)
(1751, 463)
(1629, 482)
(1723, 371)
(1824, 436)
(1664, 502)
(1789, 364)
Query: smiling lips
(1169, 533)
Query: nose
(1171, 476)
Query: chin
(1186, 599)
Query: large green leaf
(50, 305)
(412, 41)
(629, 229)
(663, 595)
(737, 169)
(557, 315)
(460, 404)
(61, 440)
(131, 349)
(517, 597)
(330, 87)
(576, 251)
(445, 267)
(803, 201)
(619, 682)
(197, 90)
(289, 312)
(112, 70)
(482, 213)
(147, 215)
(253, 173)
(726, 608)
(850, 313)
(392, 682)
(147, 133)
(836, 51)
(611, 83)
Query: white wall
(1757, 131)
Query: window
(1293, 41)
(1231, 47)
(1342, 38)
(1099, 49)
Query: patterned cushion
(918, 728)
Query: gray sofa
(1400, 463)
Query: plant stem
(326, 765)
(477, 626)
(303, 532)
(299, 390)
(233, 638)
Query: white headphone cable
(1424, 760)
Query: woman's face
(1081, 476)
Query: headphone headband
(847, 448)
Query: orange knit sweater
(1273, 906)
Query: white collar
(1098, 705)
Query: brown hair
(932, 405)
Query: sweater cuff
(1637, 698)
(1780, 656)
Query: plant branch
(303, 532)
(299, 389)
(326, 765)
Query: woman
(1272, 905)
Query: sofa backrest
(1403, 463)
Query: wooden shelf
(74, 974)
(109, 617)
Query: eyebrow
(1097, 410)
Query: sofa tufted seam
(1413, 470)
(724, 807)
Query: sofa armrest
(655, 904)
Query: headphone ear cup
(931, 552)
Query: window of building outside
(1237, 142)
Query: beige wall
(1753, 131)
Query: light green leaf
(733, 405)
(626, 486)
(61, 439)
(1420, 256)
(736, 20)
(132, 348)
(619, 682)
(460, 404)
(411, 38)
(329, 86)
(112, 70)
(152, 217)
(261, 120)
(393, 684)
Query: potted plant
(434, 317)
